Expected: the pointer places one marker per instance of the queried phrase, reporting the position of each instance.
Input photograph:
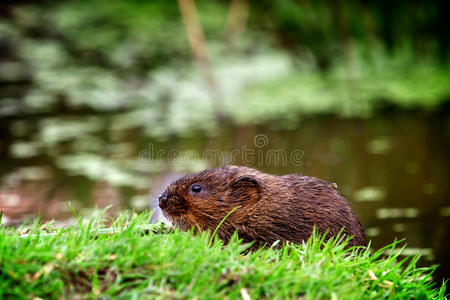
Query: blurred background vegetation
(361, 87)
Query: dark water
(394, 168)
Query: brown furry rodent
(272, 208)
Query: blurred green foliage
(113, 67)
(296, 57)
(329, 29)
(77, 76)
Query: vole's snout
(163, 200)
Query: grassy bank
(81, 262)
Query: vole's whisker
(208, 215)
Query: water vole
(272, 207)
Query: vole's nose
(163, 200)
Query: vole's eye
(196, 188)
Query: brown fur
(272, 208)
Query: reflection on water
(394, 168)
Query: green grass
(82, 262)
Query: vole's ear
(245, 189)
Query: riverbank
(83, 262)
